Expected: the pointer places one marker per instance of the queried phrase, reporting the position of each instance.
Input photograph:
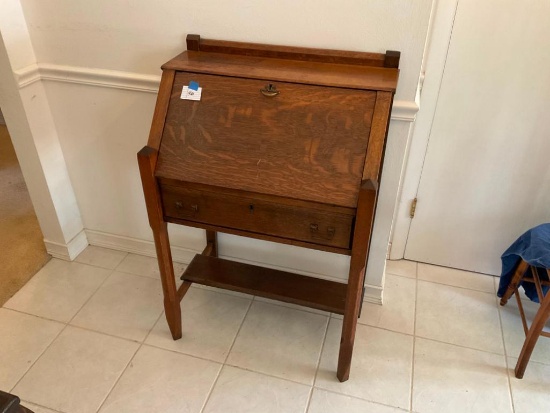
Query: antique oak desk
(285, 145)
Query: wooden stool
(535, 330)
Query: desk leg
(146, 160)
(171, 299)
(211, 243)
(360, 247)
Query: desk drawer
(259, 216)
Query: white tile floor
(90, 336)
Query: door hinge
(413, 207)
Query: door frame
(436, 50)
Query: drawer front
(257, 216)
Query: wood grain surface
(306, 143)
(163, 100)
(360, 246)
(147, 157)
(266, 282)
(313, 73)
(377, 138)
(250, 214)
(196, 43)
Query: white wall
(481, 137)
(35, 140)
(103, 117)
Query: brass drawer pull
(314, 229)
(270, 90)
(309, 226)
(179, 206)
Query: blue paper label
(194, 85)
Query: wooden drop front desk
(285, 145)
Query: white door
(486, 174)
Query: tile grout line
(91, 295)
(451, 268)
(113, 270)
(118, 378)
(57, 336)
(38, 358)
(297, 307)
(268, 375)
(99, 266)
(181, 353)
(225, 360)
(460, 346)
(23, 402)
(505, 357)
(238, 331)
(360, 399)
(329, 318)
(137, 275)
(106, 334)
(399, 275)
(133, 355)
(34, 315)
(141, 344)
(456, 286)
(308, 401)
(442, 283)
(382, 328)
(414, 341)
(153, 326)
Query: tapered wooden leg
(532, 336)
(172, 307)
(349, 325)
(146, 160)
(514, 282)
(360, 246)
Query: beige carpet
(22, 251)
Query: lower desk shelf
(266, 282)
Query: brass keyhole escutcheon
(270, 90)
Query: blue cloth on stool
(534, 248)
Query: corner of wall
(35, 140)
(68, 251)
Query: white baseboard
(69, 251)
(373, 294)
(136, 246)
